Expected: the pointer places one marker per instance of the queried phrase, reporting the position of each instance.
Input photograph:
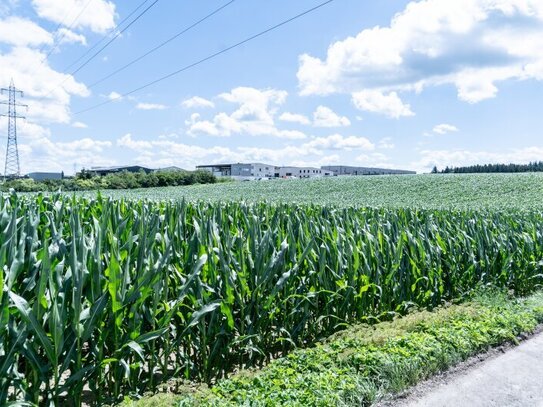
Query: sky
(389, 83)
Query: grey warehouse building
(241, 170)
(43, 176)
(349, 170)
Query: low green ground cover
(364, 364)
(438, 191)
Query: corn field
(103, 298)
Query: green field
(444, 191)
(102, 298)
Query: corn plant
(102, 298)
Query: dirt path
(512, 379)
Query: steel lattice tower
(12, 168)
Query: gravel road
(512, 379)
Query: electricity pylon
(12, 168)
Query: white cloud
(462, 157)
(197, 102)
(377, 102)
(444, 128)
(254, 115)
(386, 143)
(39, 152)
(69, 37)
(151, 106)
(471, 44)
(79, 125)
(294, 118)
(339, 142)
(326, 117)
(48, 102)
(115, 96)
(165, 151)
(98, 16)
(21, 32)
(376, 160)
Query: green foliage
(453, 191)
(536, 166)
(365, 364)
(86, 181)
(118, 296)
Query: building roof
(118, 167)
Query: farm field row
(103, 298)
(443, 191)
(363, 364)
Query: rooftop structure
(43, 176)
(242, 170)
(350, 170)
(111, 170)
(304, 172)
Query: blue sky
(391, 83)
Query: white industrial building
(248, 171)
(242, 170)
(350, 170)
(303, 172)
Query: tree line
(87, 180)
(536, 166)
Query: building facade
(304, 172)
(242, 170)
(350, 170)
(43, 176)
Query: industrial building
(241, 170)
(112, 170)
(44, 176)
(245, 171)
(304, 172)
(349, 170)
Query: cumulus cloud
(115, 96)
(169, 152)
(294, 118)
(151, 106)
(377, 102)
(339, 142)
(37, 79)
(470, 44)
(386, 143)
(444, 128)
(22, 32)
(376, 160)
(315, 152)
(254, 115)
(79, 125)
(69, 37)
(39, 152)
(463, 157)
(326, 117)
(197, 102)
(98, 16)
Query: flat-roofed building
(351, 170)
(241, 170)
(44, 176)
(304, 172)
(112, 170)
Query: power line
(114, 38)
(104, 47)
(162, 44)
(58, 40)
(106, 35)
(59, 25)
(212, 56)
